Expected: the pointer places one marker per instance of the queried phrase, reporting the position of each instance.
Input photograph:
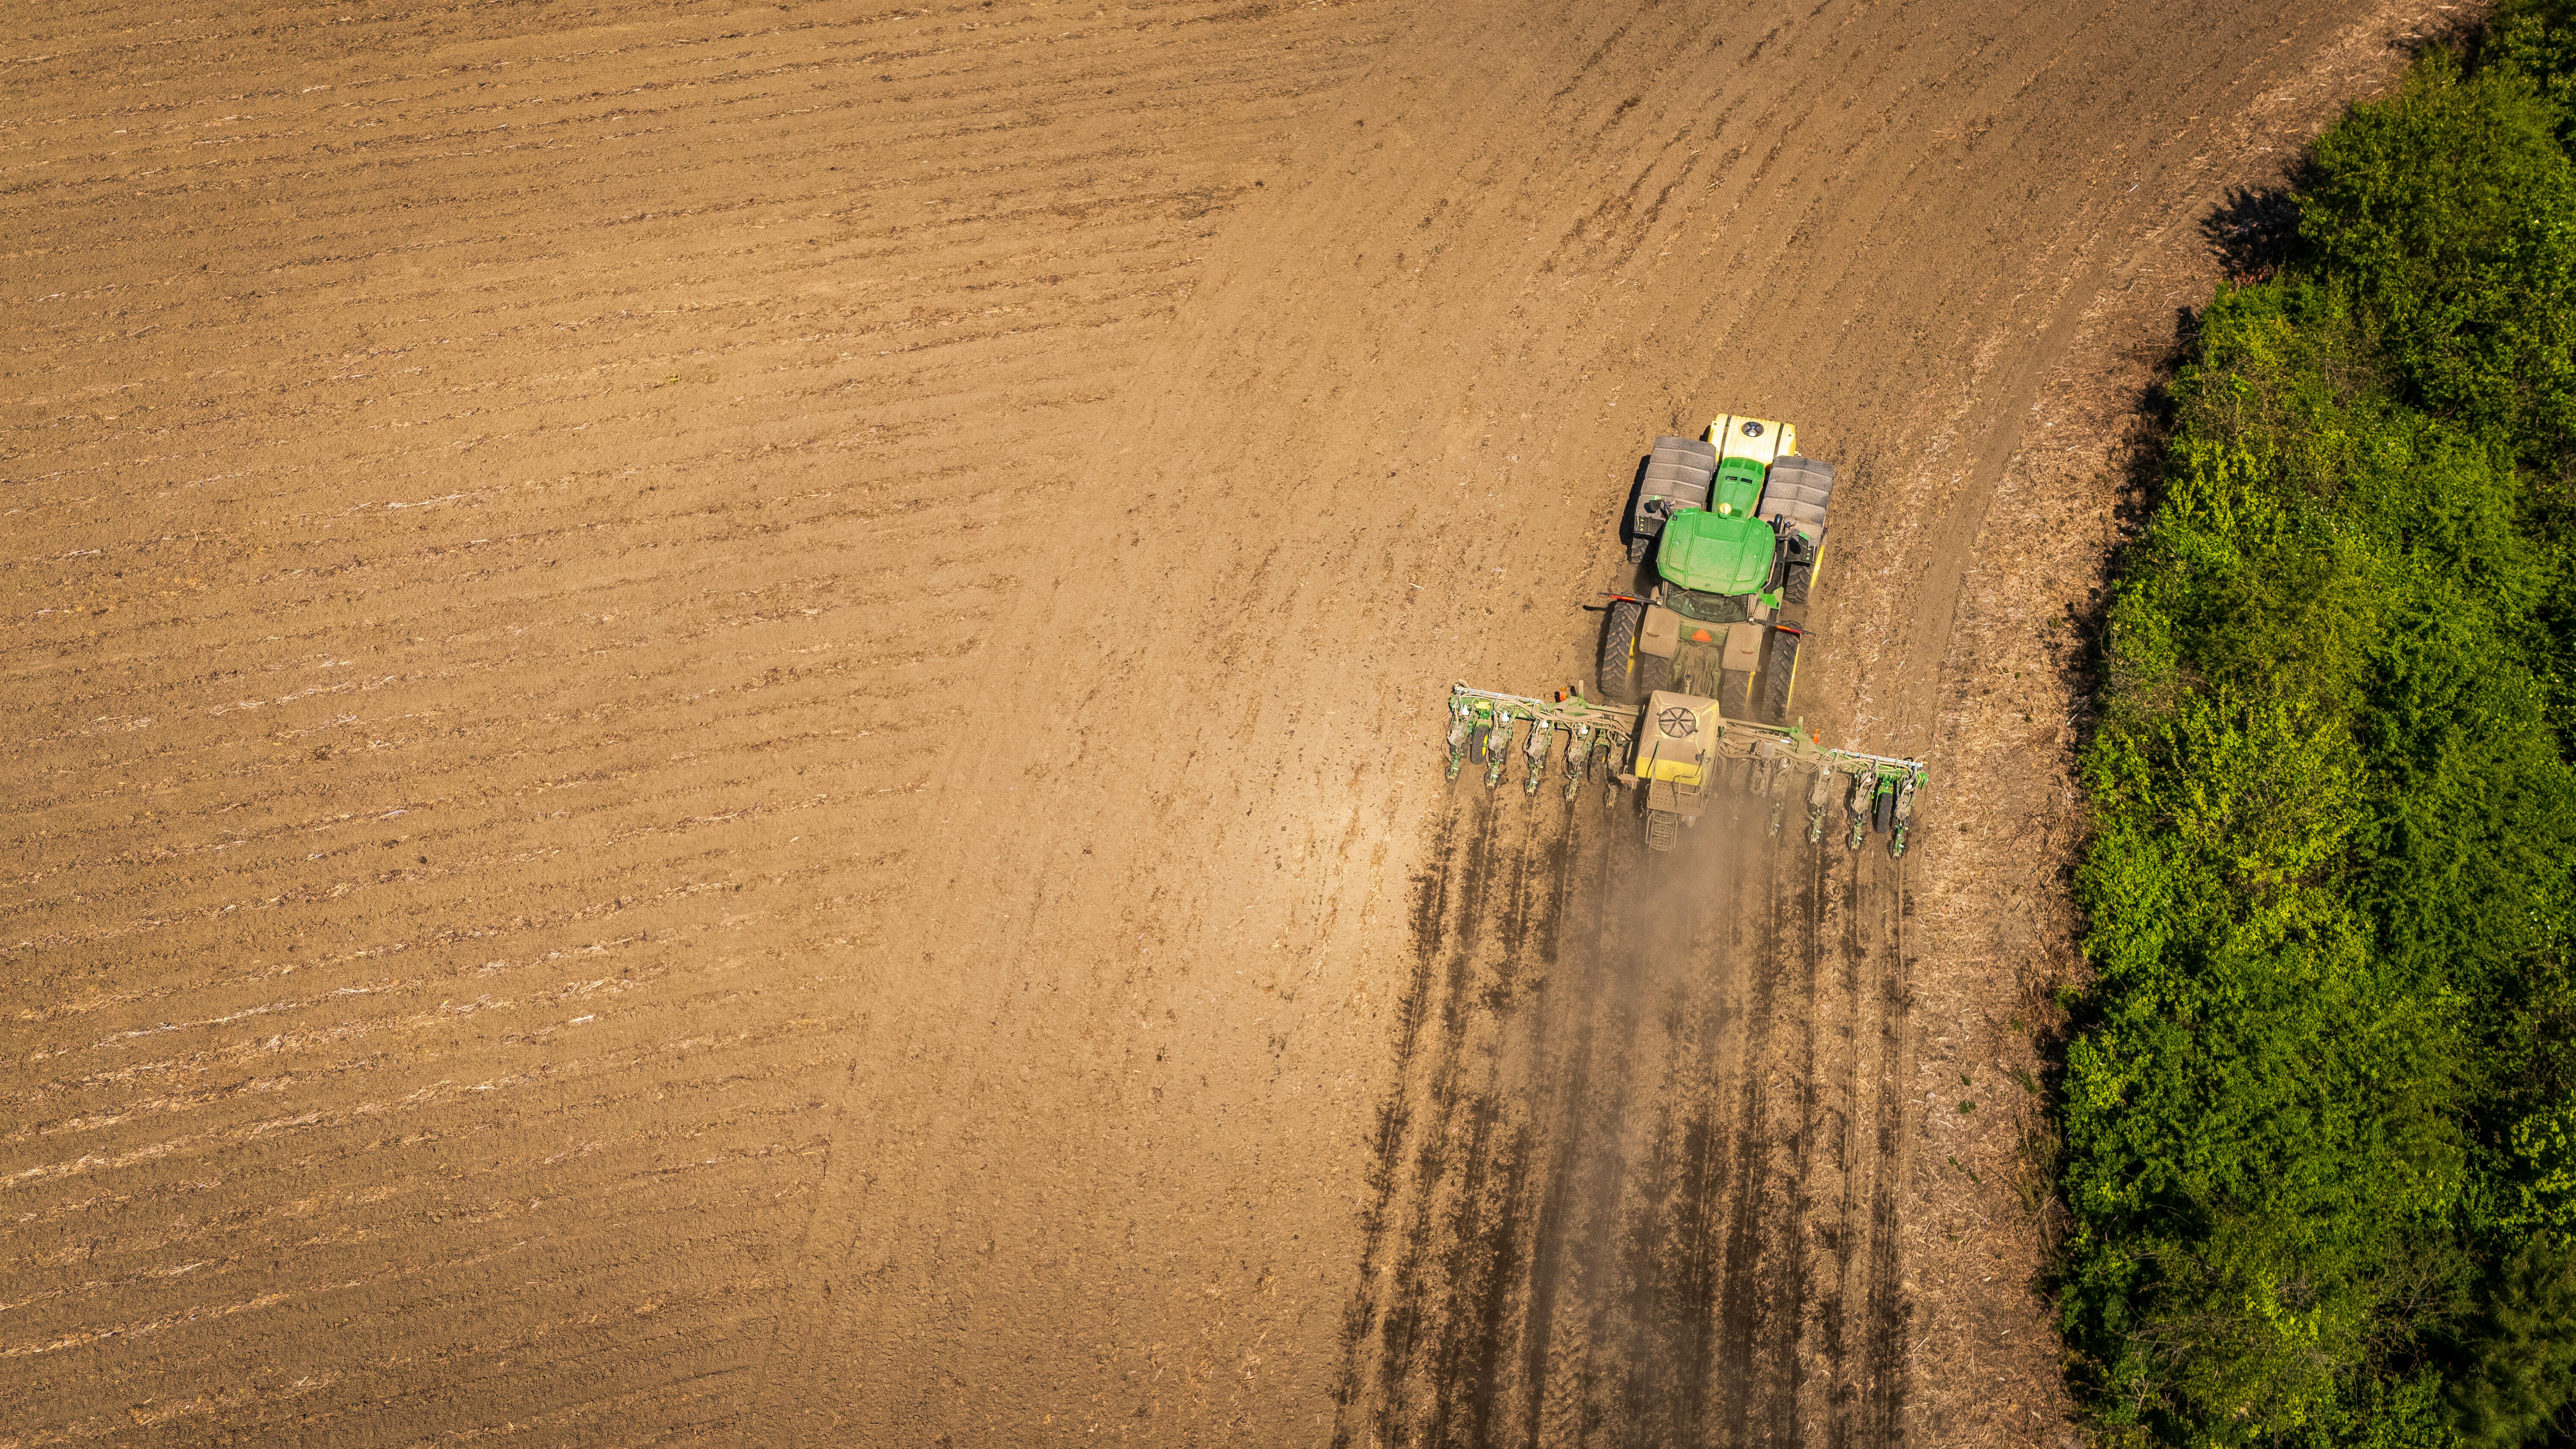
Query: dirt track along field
(724, 721)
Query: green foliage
(2320, 1123)
(2537, 41)
(2450, 215)
(2519, 1375)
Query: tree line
(2318, 1105)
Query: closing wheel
(1780, 681)
(1620, 625)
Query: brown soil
(725, 720)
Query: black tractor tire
(1735, 692)
(1654, 672)
(1780, 682)
(1800, 578)
(1638, 548)
(1620, 625)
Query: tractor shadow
(1628, 517)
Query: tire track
(1885, 1348)
(1650, 1192)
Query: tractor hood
(1716, 553)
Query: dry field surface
(722, 720)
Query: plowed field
(723, 721)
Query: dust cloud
(1597, 1214)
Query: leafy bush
(2520, 1371)
(2320, 1120)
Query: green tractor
(1736, 524)
(1698, 675)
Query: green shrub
(2320, 1120)
(2519, 1373)
(2449, 212)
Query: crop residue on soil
(724, 719)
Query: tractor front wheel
(1624, 619)
(1801, 578)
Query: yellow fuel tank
(1759, 439)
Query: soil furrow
(488, 960)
